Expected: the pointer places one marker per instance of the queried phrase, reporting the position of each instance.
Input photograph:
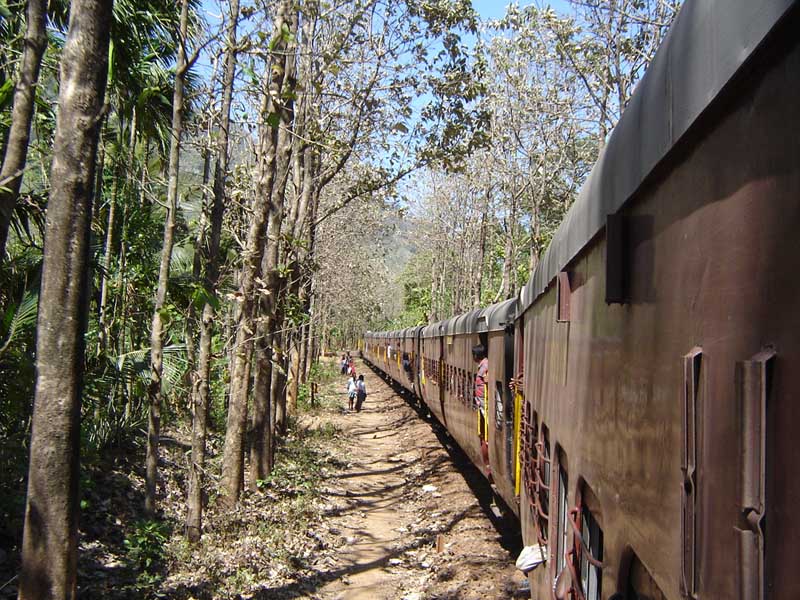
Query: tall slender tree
(16, 150)
(154, 389)
(200, 387)
(233, 454)
(268, 347)
(50, 538)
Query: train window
(562, 526)
(616, 260)
(499, 410)
(591, 575)
(641, 585)
(543, 482)
(564, 297)
(510, 420)
(529, 456)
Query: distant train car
(395, 353)
(643, 388)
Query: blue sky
(488, 9)
(494, 9)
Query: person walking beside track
(351, 391)
(361, 392)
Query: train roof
(468, 322)
(709, 41)
(497, 316)
(479, 320)
(432, 330)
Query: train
(643, 386)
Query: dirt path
(407, 512)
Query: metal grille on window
(563, 525)
(543, 467)
(529, 457)
(591, 575)
(586, 554)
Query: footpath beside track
(414, 513)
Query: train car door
(440, 374)
(483, 413)
(510, 416)
(416, 353)
(519, 399)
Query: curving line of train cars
(642, 402)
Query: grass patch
(326, 376)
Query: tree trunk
(233, 453)
(191, 325)
(508, 262)
(434, 279)
(302, 347)
(262, 408)
(154, 389)
(16, 150)
(271, 299)
(110, 224)
(50, 538)
(200, 389)
(309, 345)
(311, 337)
(481, 253)
(292, 384)
(278, 386)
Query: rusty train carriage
(647, 442)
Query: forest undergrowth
(265, 545)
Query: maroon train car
(655, 351)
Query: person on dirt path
(343, 364)
(361, 392)
(352, 388)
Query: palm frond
(136, 365)
(23, 318)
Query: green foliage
(145, 545)
(323, 372)
(416, 284)
(19, 319)
(17, 373)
